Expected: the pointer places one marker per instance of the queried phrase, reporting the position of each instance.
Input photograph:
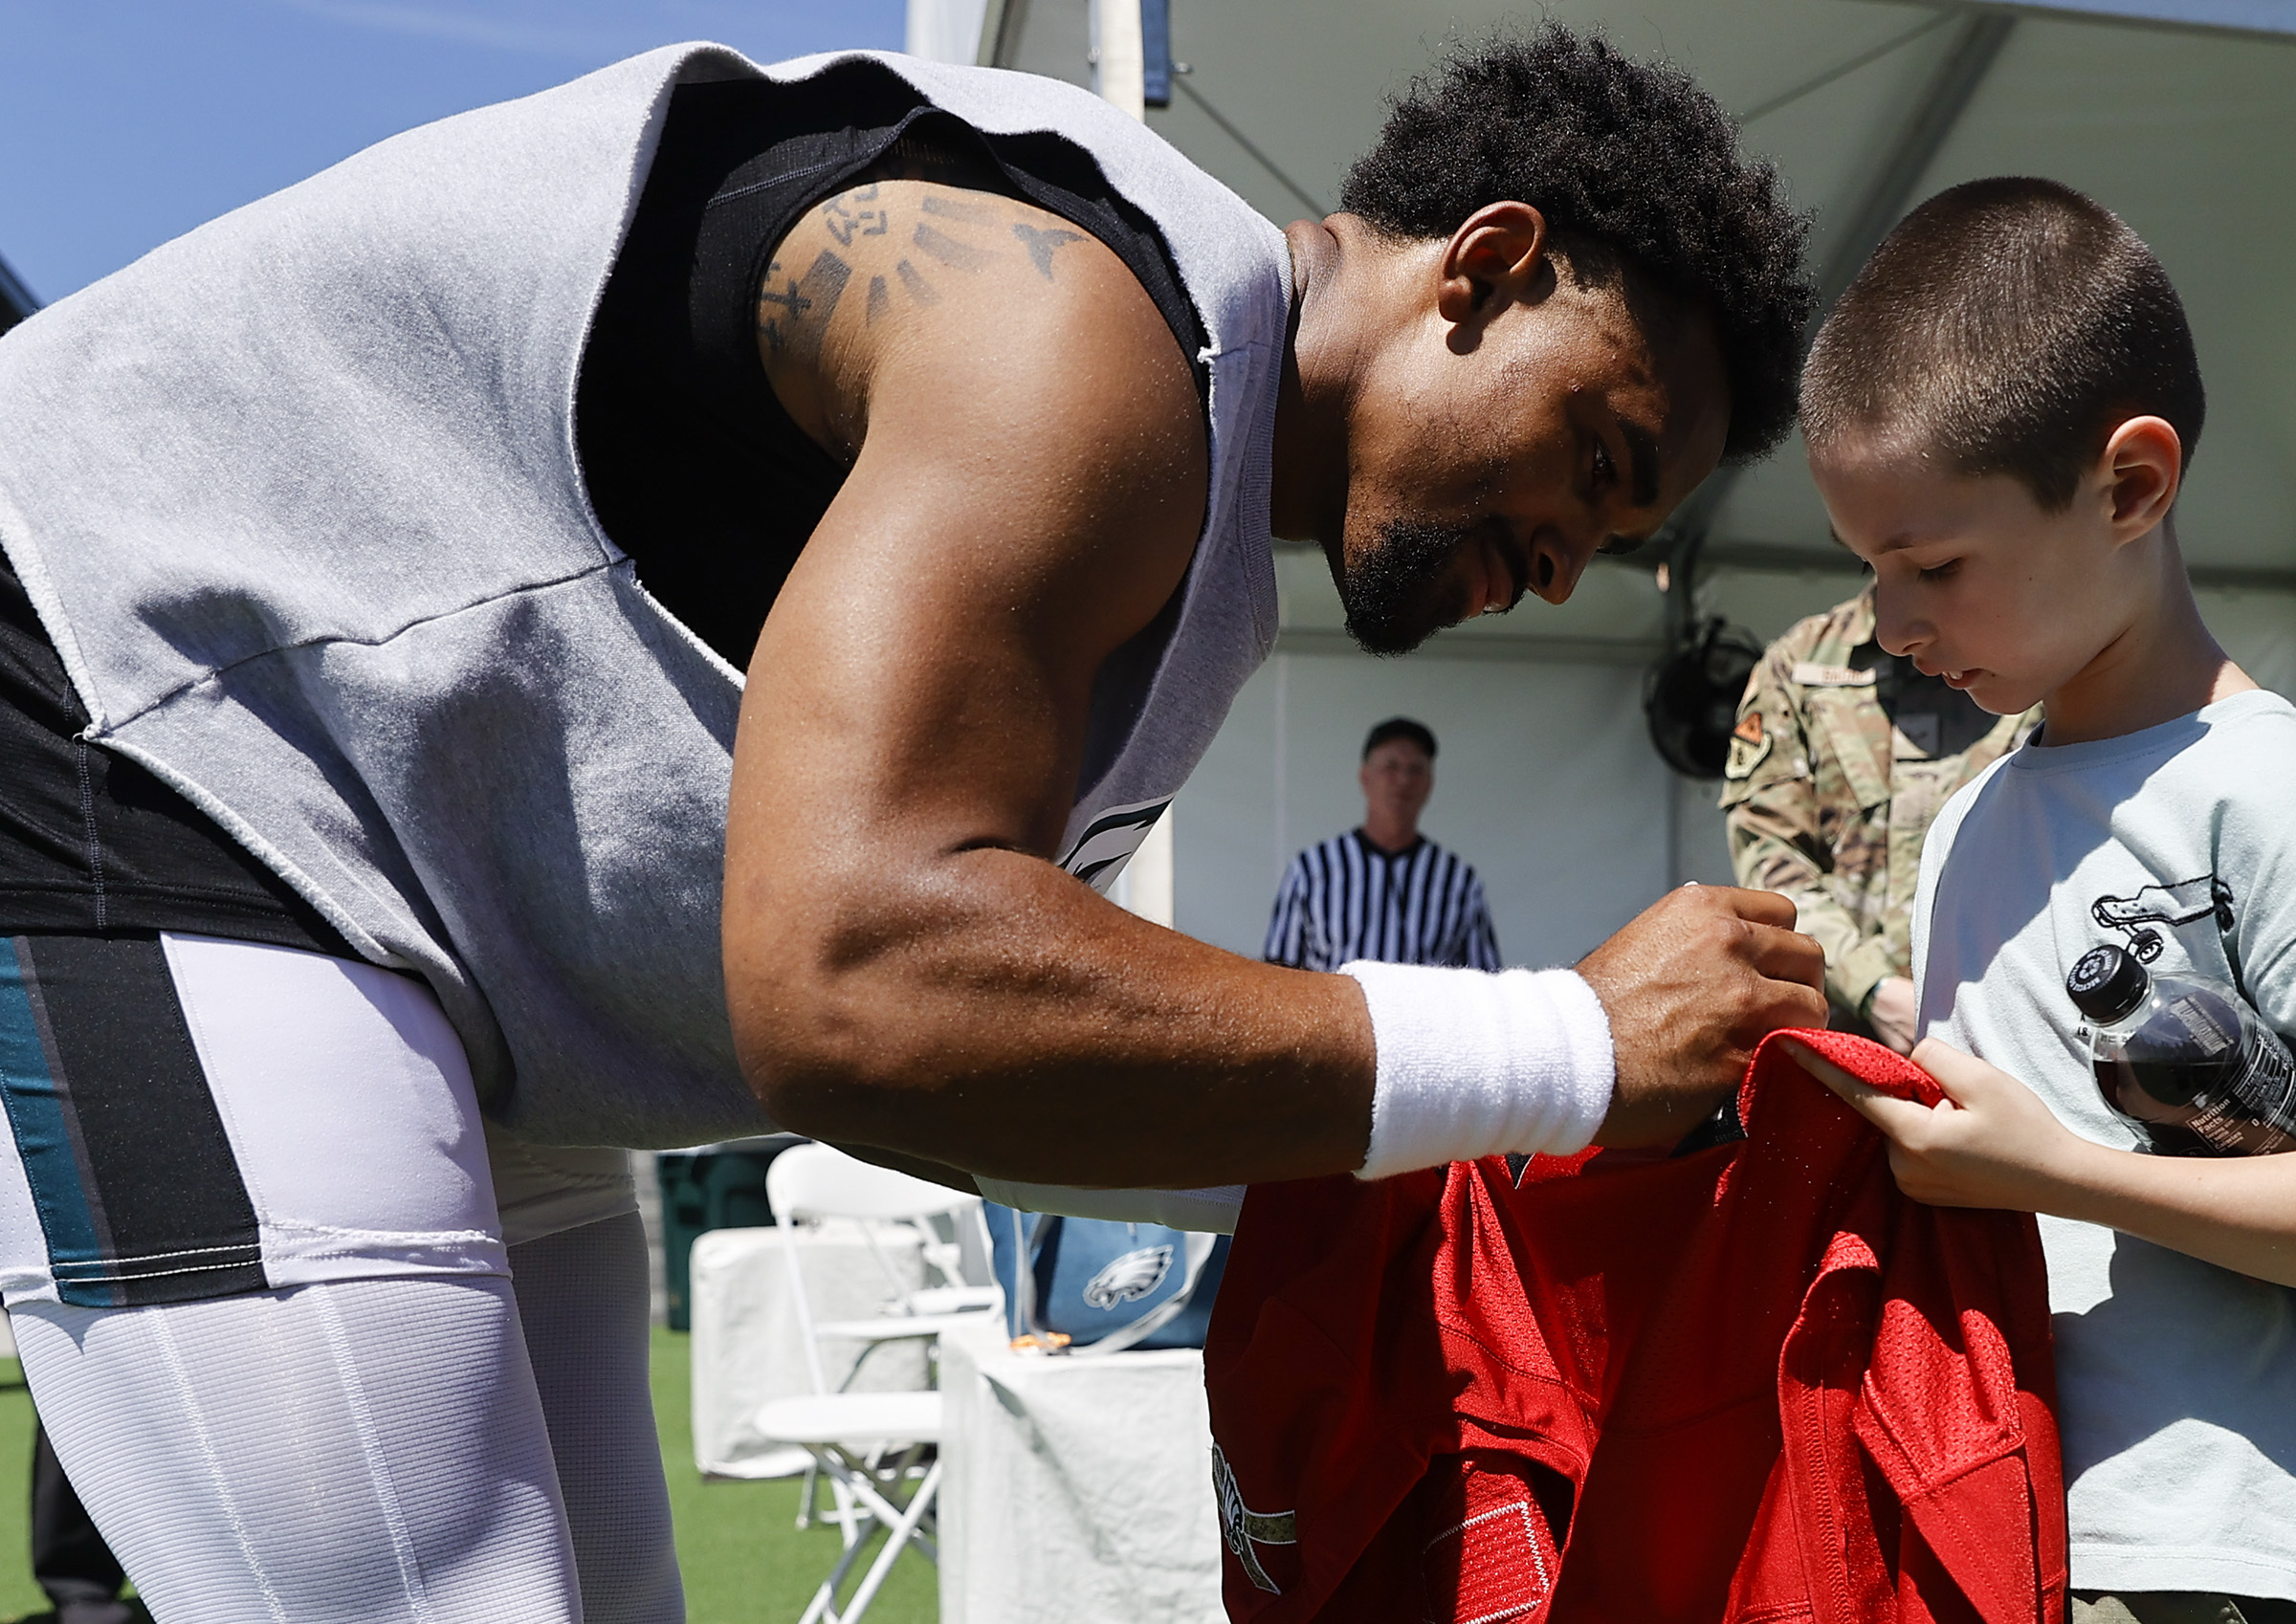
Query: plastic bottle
(2183, 1058)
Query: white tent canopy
(2180, 115)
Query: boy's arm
(1994, 1142)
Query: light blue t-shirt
(2176, 1379)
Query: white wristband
(1472, 1064)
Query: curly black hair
(1626, 158)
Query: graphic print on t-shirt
(1107, 843)
(2181, 904)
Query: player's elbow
(822, 1040)
(802, 1051)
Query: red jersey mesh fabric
(1754, 1383)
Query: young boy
(1998, 413)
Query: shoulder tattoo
(950, 230)
(1041, 243)
(793, 312)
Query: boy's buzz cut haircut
(1634, 167)
(2009, 326)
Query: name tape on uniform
(1809, 673)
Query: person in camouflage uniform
(1842, 757)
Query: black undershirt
(695, 469)
(91, 841)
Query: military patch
(1809, 673)
(1749, 743)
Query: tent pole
(1001, 25)
(1120, 55)
(1976, 45)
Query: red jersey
(1751, 1383)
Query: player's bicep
(1026, 498)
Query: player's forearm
(2238, 1213)
(994, 1015)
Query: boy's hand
(1991, 1142)
(1691, 985)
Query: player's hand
(1691, 985)
(1892, 1014)
(1991, 1142)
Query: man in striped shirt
(1385, 891)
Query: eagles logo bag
(1105, 1285)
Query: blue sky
(126, 122)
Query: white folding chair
(869, 1445)
(809, 1182)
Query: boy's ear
(2143, 467)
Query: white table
(1075, 1488)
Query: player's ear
(1498, 256)
(2142, 468)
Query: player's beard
(1401, 593)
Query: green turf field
(19, 1596)
(745, 1562)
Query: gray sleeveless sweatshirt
(296, 497)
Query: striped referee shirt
(1346, 899)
